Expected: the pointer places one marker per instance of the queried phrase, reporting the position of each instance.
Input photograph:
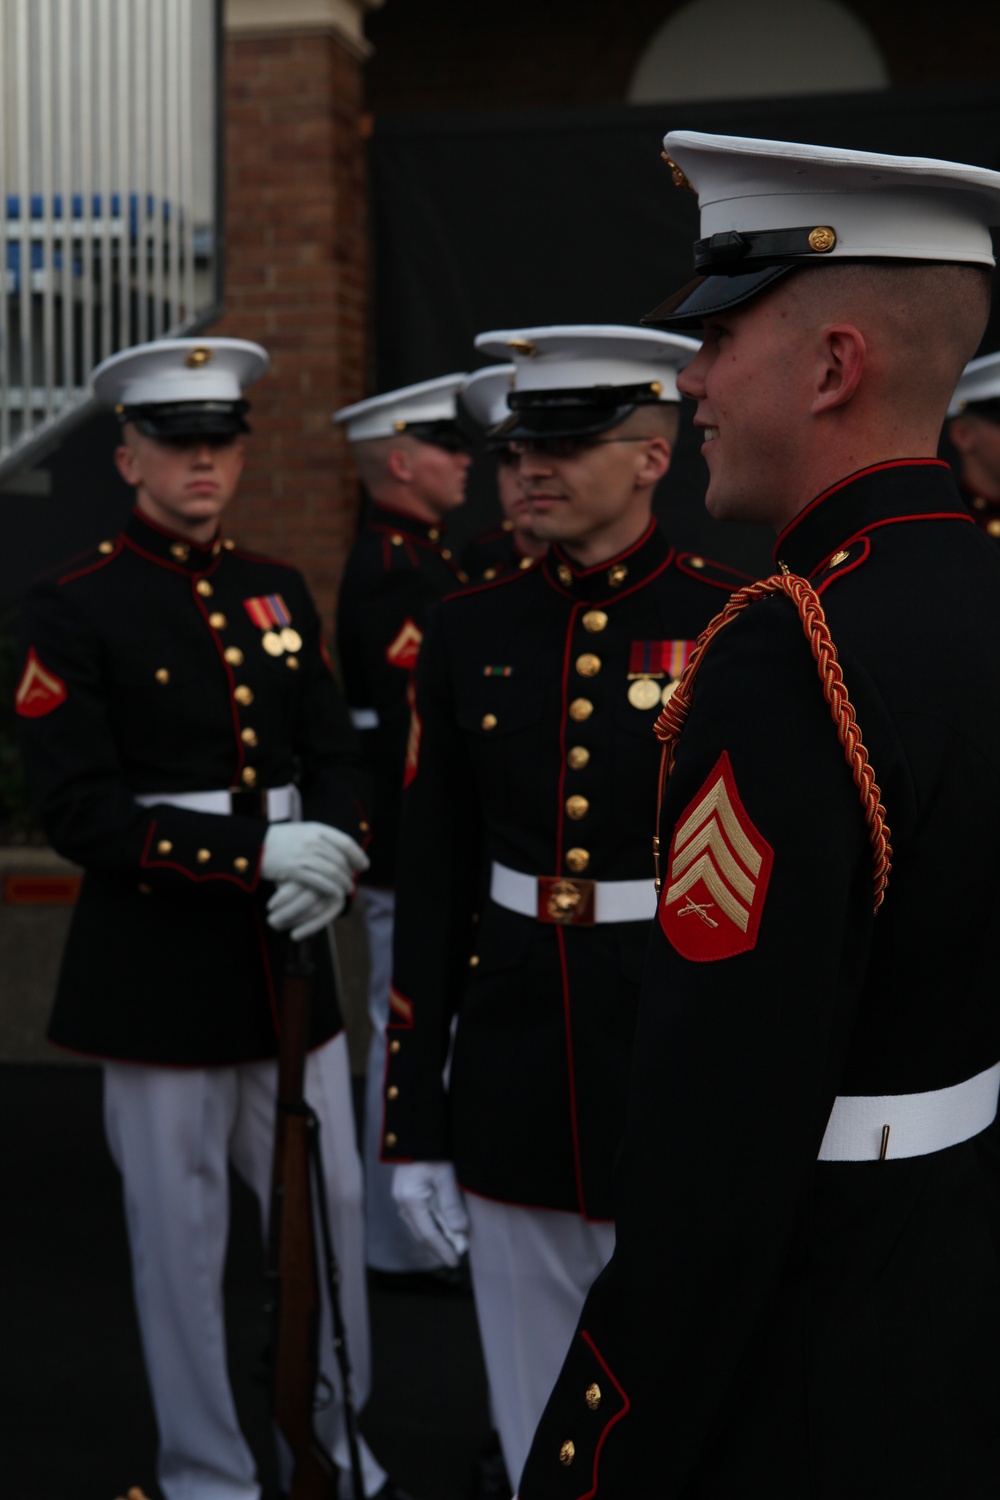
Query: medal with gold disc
(654, 669)
(271, 614)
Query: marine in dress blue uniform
(974, 432)
(525, 888)
(804, 1299)
(179, 717)
(413, 460)
(509, 545)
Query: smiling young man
(179, 717)
(525, 876)
(804, 1301)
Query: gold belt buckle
(568, 902)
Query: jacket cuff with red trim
(587, 1402)
(415, 1115)
(182, 848)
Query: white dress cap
(874, 206)
(412, 406)
(179, 371)
(980, 382)
(484, 395)
(585, 356)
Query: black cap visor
(441, 434)
(988, 408)
(572, 413)
(181, 419)
(705, 296)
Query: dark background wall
(456, 54)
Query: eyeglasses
(564, 447)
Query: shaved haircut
(923, 320)
(656, 419)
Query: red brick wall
(295, 280)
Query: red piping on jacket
(893, 463)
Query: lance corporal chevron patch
(717, 874)
(39, 691)
(404, 649)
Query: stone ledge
(341, 18)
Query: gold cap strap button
(822, 239)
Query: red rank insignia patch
(404, 650)
(39, 691)
(717, 874)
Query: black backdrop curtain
(496, 220)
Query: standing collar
(616, 575)
(900, 490)
(170, 548)
(398, 520)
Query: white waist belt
(364, 718)
(571, 901)
(884, 1127)
(283, 802)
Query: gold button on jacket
(588, 665)
(577, 807)
(581, 709)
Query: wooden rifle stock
(295, 1299)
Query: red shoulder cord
(674, 713)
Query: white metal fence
(108, 193)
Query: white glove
(314, 854)
(301, 908)
(430, 1205)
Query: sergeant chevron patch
(39, 691)
(717, 874)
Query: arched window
(742, 49)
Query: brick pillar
(295, 274)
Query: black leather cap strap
(738, 251)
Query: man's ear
(127, 464)
(654, 461)
(397, 464)
(843, 355)
(961, 433)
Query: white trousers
(391, 1246)
(171, 1132)
(531, 1271)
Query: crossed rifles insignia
(717, 874)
